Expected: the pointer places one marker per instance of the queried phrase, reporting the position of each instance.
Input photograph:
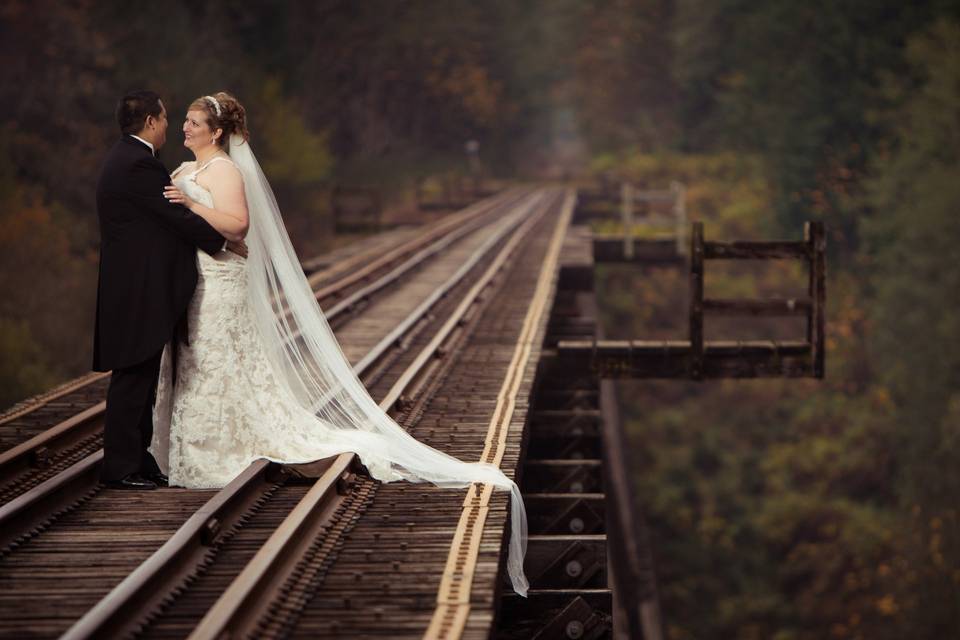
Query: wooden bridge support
(562, 482)
(580, 558)
(631, 560)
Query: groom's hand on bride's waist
(239, 248)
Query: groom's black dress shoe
(158, 479)
(132, 481)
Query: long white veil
(306, 354)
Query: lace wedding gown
(228, 407)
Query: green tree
(795, 82)
(914, 232)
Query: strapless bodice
(186, 181)
(223, 261)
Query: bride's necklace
(200, 167)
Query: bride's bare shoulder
(224, 170)
(184, 166)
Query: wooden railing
(810, 250)
(699, 359)
(675, 221)
(660, 211)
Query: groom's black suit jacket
(148, 262)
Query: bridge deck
(393, 567)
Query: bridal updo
(232, 118)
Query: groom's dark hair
(133, 109)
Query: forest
(786, 509)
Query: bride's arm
(229, 216)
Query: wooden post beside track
(680, 214)
(816, 240)
(696, 301)
(626, 212)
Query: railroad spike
(345, 483)
(210, 532)
(40, 458)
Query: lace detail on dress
(229, 407)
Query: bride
(261, 374)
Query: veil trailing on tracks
(309, 361)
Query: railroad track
(55, 430)
(175, 563)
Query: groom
(148, 272)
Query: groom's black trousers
(129, 420)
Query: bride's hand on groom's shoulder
(239, 247)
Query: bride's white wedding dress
(228, 407)
(264, 377)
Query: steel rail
(437, 230)
(147, 585)
(29, 511)
(460, 231)
(34, 452)
(30, 405)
